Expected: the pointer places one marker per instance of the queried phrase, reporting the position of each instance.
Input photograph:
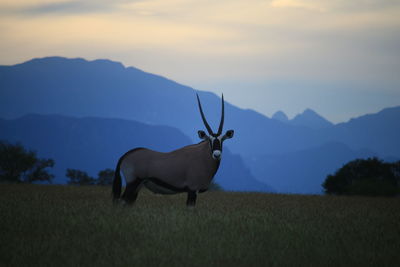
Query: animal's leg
(191, 199)
(131, 191)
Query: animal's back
(146, 163)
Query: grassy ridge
(79, 226)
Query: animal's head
(215, 139)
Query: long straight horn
(203, 117)
(221, 124)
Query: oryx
(188, 169)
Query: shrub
(77, 177)
(105, 177)
(371, 177)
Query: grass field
(79, 226)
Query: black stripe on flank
(171, 187)
(166, 185)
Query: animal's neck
(206, 149)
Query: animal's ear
(202, 134)
(228, 134)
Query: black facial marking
(216, 145)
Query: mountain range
(267, 146)
(93, 144)
(308, 118)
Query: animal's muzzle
(217, 154)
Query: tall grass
(79, 226)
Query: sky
(340, 58)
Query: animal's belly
(160, 187)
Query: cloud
(254, 39)
(311, 5)
(58, 7)
(64, 8)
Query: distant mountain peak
(311, 119)
(62, 61)
(53, 60)
(280, 116)
(310, 112)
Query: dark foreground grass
(79, 226)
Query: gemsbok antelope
(188, 169)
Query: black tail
(117, 184)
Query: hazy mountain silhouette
(93, 144)
(312, 119)
(280, 116)
(379, 132)
(306, 168)
(308, 118)
(103, 88)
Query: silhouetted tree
(39, 172)
(20, 165)
(105, 177)
(77, 177)
(371, 177)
